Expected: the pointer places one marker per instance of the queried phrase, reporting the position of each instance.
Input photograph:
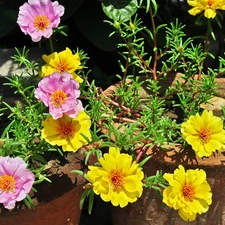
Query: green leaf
(28, 202)
(91, 201)
(120, 10)
(80, 173)
(141, 164)
(39, 158)
(155, 7)
(85, 194)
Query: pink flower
(15, 181)
(38, 17)
(59, 92)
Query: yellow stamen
(210, 3)
(117, 180)
(41, 22)
(204, 135)
(58, 98)
(7, 183)
(62, 67)
(189, 192)
(66, 130)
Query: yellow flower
(118, 180)
(189, 192)
(63, 61)
(204, 133)
(209, 6)
(66, 131)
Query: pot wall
(62, 211)
(56, 203)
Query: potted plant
(157, 121)
(150, 133)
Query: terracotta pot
(61, 211)
(56, 203)
(149, 209)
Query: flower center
(210, 3)
(189, 192)
(204, 135)
(7, 183)
(58, 98)
(117, 180)
(62, 67)
(41, 22)
(66, 130)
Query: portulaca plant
(54, 114)
(54, 88)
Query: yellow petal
(209, 13)
(130, 183)
(186, 216)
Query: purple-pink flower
(15, 181)
(59, 92)
(38, 17)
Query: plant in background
(158, 79)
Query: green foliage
(22, 135)
(163, 81)
(158, 78)
(156, 182)
(120, 11)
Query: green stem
(155, 44)
(40, 145)
(51, 45)
(39, 44)
(25, 98)
(209, 30)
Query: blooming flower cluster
(68, 121)
(67, 125)
(117, 177)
